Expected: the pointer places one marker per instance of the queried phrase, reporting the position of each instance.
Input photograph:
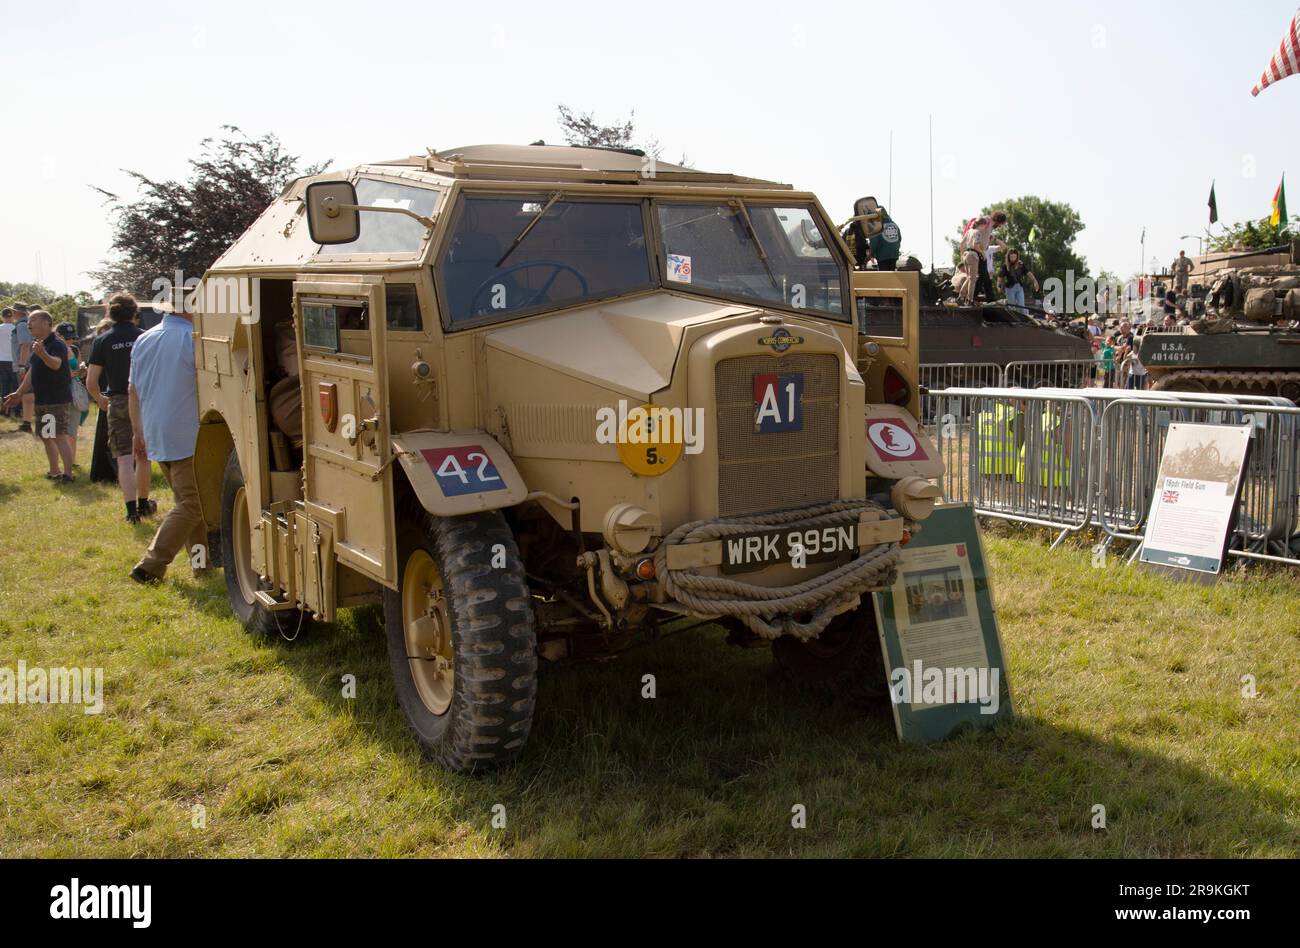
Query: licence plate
(754, 551)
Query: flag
(1286, 61)
(1279, 218)
(1033, 232)
(1214, 206)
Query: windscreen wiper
(758, 244)
(529, 226)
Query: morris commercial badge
(781, 341)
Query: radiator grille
(761, 472)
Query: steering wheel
(537, 295)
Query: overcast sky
(1126, 110)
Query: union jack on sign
(1169, 497)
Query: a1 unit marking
(778, 403)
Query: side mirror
(867, 213)
(811, 235)
(866, 205)
(332, 216)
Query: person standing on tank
(1014, 275)
(983, 244)
(1182, 271)
(887, 246)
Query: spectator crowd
(143, 384)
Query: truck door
(347, 446)
(898, 295)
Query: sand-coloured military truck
(544, 402)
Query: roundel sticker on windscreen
(895, 441)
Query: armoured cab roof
(560, 162)
(278, 239)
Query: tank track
(1233, 382)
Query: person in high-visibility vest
(996, 427)
(1054, 470)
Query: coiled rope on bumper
(770, 611)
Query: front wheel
(461, 640)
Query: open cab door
(889, 298)
(347, 445)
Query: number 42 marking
(463, 470)
(451, 468)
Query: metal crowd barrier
(1070, 459)
(962, 375)
(1268, 515)
(1125, 482)
(1062, 373)
(938, 378)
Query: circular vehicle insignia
(649, 444)
(892, 440)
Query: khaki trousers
(183, 526)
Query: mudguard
(897, 446)
(459, 472)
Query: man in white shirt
(8, 379)
(22, 346)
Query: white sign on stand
(1196, 496)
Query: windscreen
(511, 255)
(764, 253)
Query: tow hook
(589, 562)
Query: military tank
(983, 335)
(1247, 343)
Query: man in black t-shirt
(49, 380)
(106, 381)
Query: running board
(270, 603)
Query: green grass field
(1127, 688)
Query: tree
(20, 292)
(1055, 227)
(582, 129)
(1255, 235)
(185, 225)
(62, 307)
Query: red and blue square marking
(463, 470)
(778, 403)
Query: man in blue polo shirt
(164, 406)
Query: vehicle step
(270, 603)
